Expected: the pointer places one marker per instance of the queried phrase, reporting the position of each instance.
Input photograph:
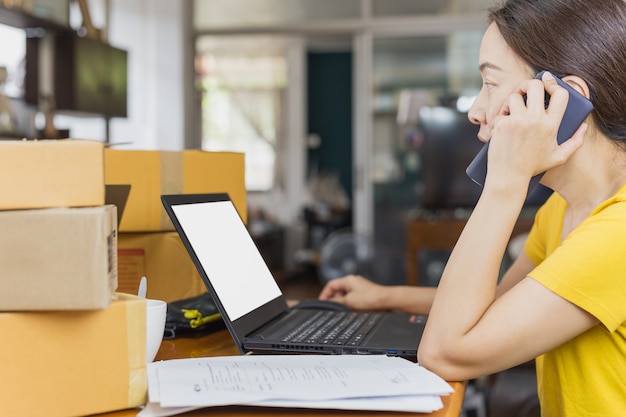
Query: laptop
(251, 303)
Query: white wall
(154, 32)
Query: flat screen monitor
(450, 144)
(89, 76)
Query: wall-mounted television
(90, 76)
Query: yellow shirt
(587, 375)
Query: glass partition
(414, 67)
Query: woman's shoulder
(616, 203)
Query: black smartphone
(577, 110)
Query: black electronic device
(450, 144)
(89, 76)
(577, 110)
(251, 303)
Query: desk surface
(221, 344)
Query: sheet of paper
(409, 403)
(416, 403)
(404, 403)
(247, 379)
(155, 410)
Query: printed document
(375, 382)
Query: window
(242, 100)
(12, 69)
(12, 60)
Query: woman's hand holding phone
(538, 110)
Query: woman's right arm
(359, 293)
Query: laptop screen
(228, 255)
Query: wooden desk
(221, 344)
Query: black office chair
(513, 393)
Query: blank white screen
(228, 255)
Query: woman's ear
(577, 84)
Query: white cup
(156, 311)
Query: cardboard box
(152, 173)
(58, 258)
(74, 363)
(51, 173)
(216, 172)
(162, 258)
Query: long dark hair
(574, 37)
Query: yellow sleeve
(588, 268)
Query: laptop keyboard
(333, 328)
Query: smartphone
(577, 110)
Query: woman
(563, 301)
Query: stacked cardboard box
(74, 363)
(66, 341)
(147, 244)
(58, 240)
